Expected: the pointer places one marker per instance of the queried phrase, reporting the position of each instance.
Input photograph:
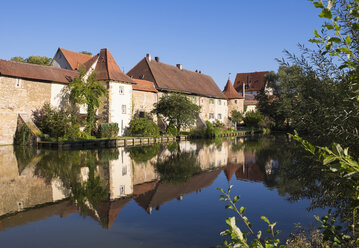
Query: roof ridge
(149, 67)
(31, 64)
(106, 61)
(202, 74)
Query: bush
(57, 123)
(171, 130)
(143, 127)
(218, 123)
(253, 119)
(107, 130)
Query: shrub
(57, 123)
(218, 123)
(107, 130)
(144, 127)
(253, 119)
(171, 130)
(211, 130)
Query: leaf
(315, 41)
(330, 4)
(348, 40)
(318, 5)
(229, 206)
(329, 26)
(316, 33)
(241, 210)
(265, 219)
(355, 26)
(236, 198)
(328, 160)
(334, 39)
(326, 13)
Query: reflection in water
(99, 183)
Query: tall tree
(87, 91)
(177, 109)
(39, 60)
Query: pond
(164, 195)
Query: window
(124, 170)
(219, 116)
(142, 114)
(123, 109)
(219, 102)
(235, 101)
(193, 99)
(18, 83)
(122, 90)
(211, 101)
(211, 116)
(122, 189)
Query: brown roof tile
(171, 78)
(254, 81)
(144, 85)
(107, 68)
(75, 59)
(250, 102)
(36, 72)
(230, 92)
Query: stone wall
(143, 101)
(235, 104)
(19, 96)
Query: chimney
(148, 56)
(196, 70)
(157, 59)
(179, 66)
(244, 90)
(199, 72)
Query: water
(155, 196)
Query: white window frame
(124, 109)
(219, 116)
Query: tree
(86, 52)
(177, 110)
(39, 60)
(237, 117)
(87, 92)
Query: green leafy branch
(340, 44)
(238, 238)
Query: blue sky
(215, 36)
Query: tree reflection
(178, 167)
(76, 171)
(297, 176)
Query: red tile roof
(36, 72)
(144, 85)
(171, 78)
(107, 68)
(254, 81)
(230, 92)
(75, 59)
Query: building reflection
(100, 184)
